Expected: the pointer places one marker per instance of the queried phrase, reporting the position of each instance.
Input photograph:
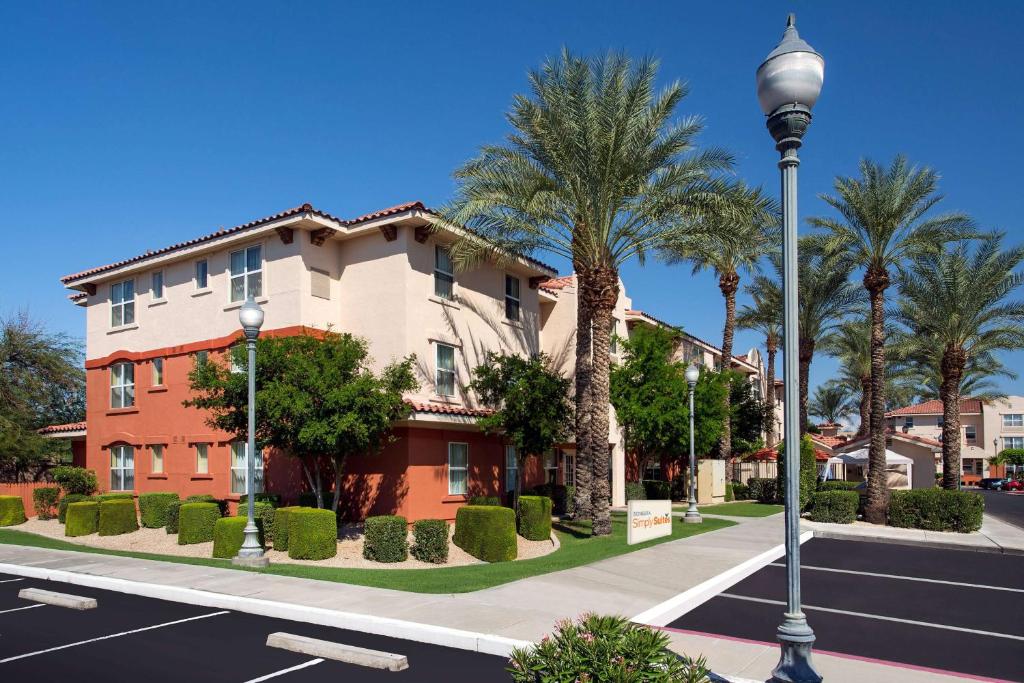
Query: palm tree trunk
(584, 365)
(953, 361)
(605, 283)
(865, 407)
(728, 283)
(876, 281)
(772, 346)
(806, 355)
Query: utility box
(710, 482)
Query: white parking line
(10, 580)
(880, 617)
(282, 672)
(112, 635)
(906, 578)
(18, 609)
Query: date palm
(765, 316)
(960, 301)
(851, 345)
(883, 221)
(730, 243)
(831, 402)
(596, 170)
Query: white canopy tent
(899, 468)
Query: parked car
(993, 483)
(1013, 485)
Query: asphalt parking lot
(957, 611)
(129, 638)
(1006, 505)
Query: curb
(485, 643)
(673, 608)
(995, 548)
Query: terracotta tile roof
(445, 409)
(560, 282)
(830, 441)
(896, 434)
(968, 406)
(390, 211)
(771, 455)
(59, 429)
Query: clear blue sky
(128, 126)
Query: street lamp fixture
(692, 515)
(788, 84)
(251, 554)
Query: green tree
(317, 399)
(883, 222)
(41, 383)
(961, 302)
(596, 171)
(831, 402)
(748, 416)
(808, 471)
(765, 316)
(530, 401)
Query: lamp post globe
(789, 82)
(692, 515)
(251, 554)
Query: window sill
(238, 304)
(450, 303)
(123, 328)
(202, 292)
(159, 475)
(122, 411)
(201, 477)
(157, 389)
(459, 498)
(158, 302)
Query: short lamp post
(251, 554)
(788, 84)
(692, 516)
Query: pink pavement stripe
(842, 655)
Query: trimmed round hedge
(430, 541)
(12, 510)
(196, 522)
(836, 507)
(229, 533)
(153, 508)
(264, 513)
(174, 507)
(83, 518)
(385, 538)
(486, 532)
(312, 534)
(62, 506)
(535, 518)
(280, 535)
(936, 510)
(117, 516)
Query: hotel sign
(647, 519)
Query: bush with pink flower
(604, 649)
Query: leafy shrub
(196, 522)
(535, 518)
(604, 648)
(114, 496)
(307, 499)
(729, 495)
(273, 498)
(485, 500)
(635, 491)
(174, 507)
(430, 541)
(117, 516)
(68, 499)
(837, 507)
(312, 534)
(808, 473)
(763, 490)
(385, 538)
(229, 533)
(153, 508)
(44, 500)
(837, 485)
(83, 518)
(12, 510)
(486, 532)
(740, 491)
(657, 490)
(936, 510)
(75, 480)
(263, 512)
(281, 526)
(561, 497)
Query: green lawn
(577, 549)
(739, 509)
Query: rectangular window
(319, 283)
(908, 422)
(202, 274)
(202, 458)
(613, 339)
(156, 456)
(247, 273)
(238, 468)
(157, 286)
(1013, 442)
(652, 472)
(158, 372)
(445, 380)
(202, 357)
(444, 277)
(940, 421)
(122, 468)
(122, 303)
(511, 469)
(122, 385)
(970, 433)
(511, 298)
(569, 468)
(458, 469)
(1013, 420)
(551, 467)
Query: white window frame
(513, 302)
(122, 467)
(156, 458)
(452, 488)
(202, 458)
(970, 433)
(442, 275)
(156, 282)
(239, 465)
(550, 463)
(121, 306)
(245, 274)
(202, 284)
(158, 371)
(122, 385)
(654, 464)
(1013, 442)
(451, 373)
(511, 469)
(1011, 420)
(202, 357)
(568, 468)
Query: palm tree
(851, 345)
(882, 223)
(729, 243)
(960, 302)
(825, 296)
(765, 317)
(831, 402)
(598, 172)
(922, 372)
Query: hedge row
(763, 490)
(657, 490)
(174, 508)
(312, 534)
(837, 485)
(837, 507)
(385, 538)
(68, 499)
(484, 500)
(196, 522)
(12, 510)
(153, 508)
(83, 518)
(117, 516)
(430, 541)
(229, 533)
(535, 518)
(281, 526)
(936, 510)
(486, 532)
(635, 491)
(561, 497)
